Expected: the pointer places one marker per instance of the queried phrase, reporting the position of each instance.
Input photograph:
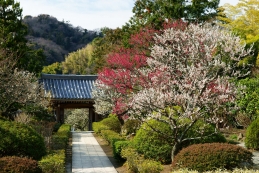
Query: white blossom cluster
(194, 69)
(19, 87)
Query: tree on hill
(13, 40)
(185, 79)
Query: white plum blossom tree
(190, 67)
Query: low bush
(112, 122)
(53, 162)
(117, 147)
(218, 171)
(20, 140)
(152, 144)
(98, 127)
(111, 136)
(252, 135)
(137, 163)
(61, 137)
(14, 164)
(212, 156)
(130, 127)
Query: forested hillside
(56, 38)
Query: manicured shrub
(61, 137)
(152, 144)
(212, 156)
(218, 171)
(252, 135)
(98, 127)
(53, 162)
(117, 147)
(130, 127)
(20, 140)
(111, 136)
(14, 164)
(137, 163)
(112, 122)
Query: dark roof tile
(68, 87)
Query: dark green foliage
(20, 140)
(206, 136)
(117, 147)
(98, 127)
(154, 12)
(130, 127)
(252, 135)
(152, 144)
(14, 164)
(137, 163)
(112, 122)
(53, 162)
(111, 136)
(12, 35)
(61, 137)
(212, 156)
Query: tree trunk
(175, 150)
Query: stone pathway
(255, 156)
(88, 156)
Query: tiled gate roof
(68, 87)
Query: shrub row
(16, 164)
(111, 136)
(137, 163)
(118, 147)
(61, 137)
(54, 162)
(98, 127)
(212, 156)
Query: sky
(89, 14)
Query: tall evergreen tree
(13, 41)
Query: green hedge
(61, 137)
(20, 140)
(53, 162)
(111, 136)
(117, 147)
(98, 127)
(14, 164)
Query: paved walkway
(88, 156)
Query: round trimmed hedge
(212, 156)
(20, 140)
(152, 144)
